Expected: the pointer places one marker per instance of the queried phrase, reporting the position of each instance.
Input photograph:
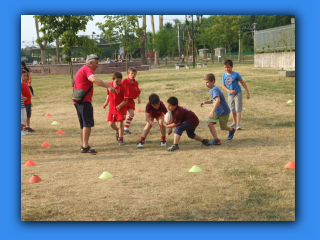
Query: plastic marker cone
(290, 165)
(29, 163)
(290, 101)
(45, 144)
(139, 110)
(195, 168)
(60, 132)
(55, 123)
(105, 175)
(48, 115)
(35, 179)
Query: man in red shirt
(84, 79)
(117, 107)
(184, 120)
(133, 92)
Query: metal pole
(193, 56)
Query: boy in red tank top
(117, 107)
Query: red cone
(29, 163)
(45, 144)
(48, 115)
(290, 165)
(60, 132)
(35, 179)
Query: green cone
(290, 101)
(105, 175)
(55, 123)
(195, 168)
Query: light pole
(193, 58)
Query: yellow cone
(290, 101)
(195, 168)
(105, 175)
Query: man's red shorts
(116, 117)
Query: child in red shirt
(25, 91)
(117, 107)
(155, 109)
(184, 120)
(133, 92)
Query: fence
(275, 39)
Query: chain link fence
(275, 39)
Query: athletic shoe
(215, 142)
(127, 132)
(232, 125)
(117, 136)
(205, 142)
(121, 142)
(173, 148)
(231, 133)
(141, 145)
(163, 143)
(28, 129)
(238, 127)
(23, 133)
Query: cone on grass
(29, 163)
(60, 132)
(290, 101)
(55, 123)
(290, 165)
(45, 144)
(195, 168)
(35, 179)
(105, 175)
(48, 115)
(139, 110)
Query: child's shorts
(116, 117)
(156, 116)
(223, 120)
(28, 110)
(189, 128)
(23, 116)
(131, 104)
(235, 102)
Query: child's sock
(163, 138)
(142, 139)
(120, 138)
(128, 122)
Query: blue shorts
(189, 128)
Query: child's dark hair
(228, 62)
(117, 75)
(210, 77)
(154, 98)
(132, 69)
(173, 101)
(23, 71)
(23, 63)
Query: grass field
(242, 180)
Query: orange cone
(290, 165)
(139, 110)
(48, 115)
(45, 144)
(29, 163)
(35, 179)
(60, 132)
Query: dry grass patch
(242, 180)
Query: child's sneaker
(121, 142)
(163, 143)
(205, 142)
(232, 125)
(231, 133)
(215, 142)
(117, 136)
(238, 127)
(23, 133)
(127, 132)
(141, 144)
(28, 129)
(173, 148)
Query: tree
(143, 36)
(65, 27)
(124, 29)
(164, 42)
(43, 45)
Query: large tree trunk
(70, 68)
(143, 40)
(156, 57)
(57, 50)
(43, 46)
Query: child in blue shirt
(230, 83)
(219, 112)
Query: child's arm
(29, 75)
(149, 120)
(139, 100)
(24, 98)
(124, 102)
(233, 92)
(246, 88)
(106, 103)
(172, 125)
(216, 104)
(205, 102)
